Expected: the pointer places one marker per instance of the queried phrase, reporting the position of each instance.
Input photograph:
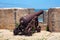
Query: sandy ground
(43, 35)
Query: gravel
(43, 35)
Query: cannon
(28, 24)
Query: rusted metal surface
(28, 23)
(27, 18)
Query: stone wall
(6, 19)
(43, 26)
(54, 19)
(9, 17)
(45, 17)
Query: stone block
(54, 19)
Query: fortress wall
(6, 19)
(9, 17)
(54, 19)
(45, 17)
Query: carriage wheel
(16, 31)
(38, 29)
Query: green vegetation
(47, 28)
(16, 25)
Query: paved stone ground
(43, 35)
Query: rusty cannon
(28, 24)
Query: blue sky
(37, 4)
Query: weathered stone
(45, 17)
(43, 26)
(54, 19)
(10, 16)
(6, 19)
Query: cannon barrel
(29, 17)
